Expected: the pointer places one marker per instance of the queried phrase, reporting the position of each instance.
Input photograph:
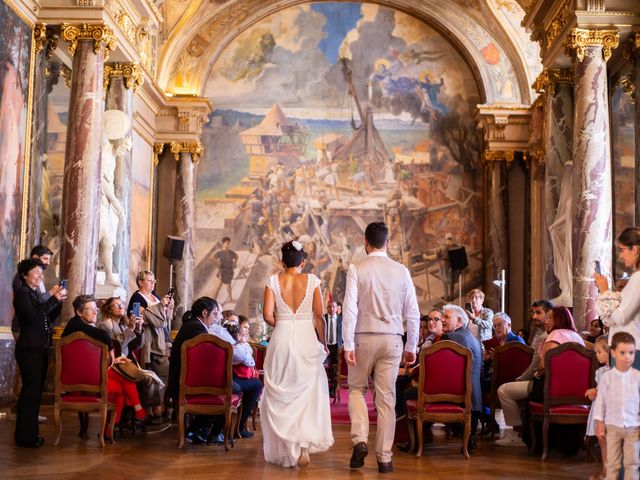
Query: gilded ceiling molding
(101, 35)
(193, 147)
(548, 79)
(581, 38)
(132, 73)
(158, 148)
(498, 156)
(559, 21)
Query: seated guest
(229, 316)
(124, 391)
(127, 331)
(560, 329)
(403, 381)
(596, 329)
(195, 322)
(456, 321)
(240, 333)
(249, 387)
(524, 335)
(479, 315)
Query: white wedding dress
(294, 410)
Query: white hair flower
(297, 245)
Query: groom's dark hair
(377, 234)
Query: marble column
(558, 145)
(497, 231)
(592, 200)
(38, 134)
(81, 183)
(119, 97)
(187, 156)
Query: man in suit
(455, 322)
(333, 327)
(202, 315)
(379, 295)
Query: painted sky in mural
(329, 116)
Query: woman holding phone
(621, 310)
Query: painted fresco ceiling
(486, 32)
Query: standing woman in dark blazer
(33, 315)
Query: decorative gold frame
(22, 249)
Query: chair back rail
(570, 370)
(509, 362)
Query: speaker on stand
(173, 249)
(458, 261)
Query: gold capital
(549, 78)
(498, 156)
(193, 147)
(131, 72)
(99, 33)
(581, 38)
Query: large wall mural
(15, 69)
(330, 116)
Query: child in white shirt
(617, 409)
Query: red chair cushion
(211, 400)
(570, 374)
(445, 372)
(412, 407)
(510, 364)
(537, 408)
(201, 360)
(81, 362)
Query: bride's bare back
(293, 288)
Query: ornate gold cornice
(158, 148)
(101, 35)
(131, 72)
(549, 78)
(193, 147)
(580, 38)
(558, 22)
(39, 36)
(498, 156)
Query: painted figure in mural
(112, 215)
(227, 260)
(254, 210)
(393, 208)
(560, 232)
(446, 273)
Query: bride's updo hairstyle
(292, 254)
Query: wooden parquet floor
(155, 456)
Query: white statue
(116, 126)
(560, 231)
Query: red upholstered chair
(509, 362)
(206, 381)
(342, 380)
(259, 354)
(569, 371)
(81, 380)
(444, 390)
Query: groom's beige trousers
(379, 355)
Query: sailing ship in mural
(378, 140)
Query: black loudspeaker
(173, 248)
(458, 258)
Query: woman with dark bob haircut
(560, 329)
(33, 314)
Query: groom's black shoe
(386, 467)
(357, 457)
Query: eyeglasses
(90, 309)
(152, 280)
(117, 305)
(433, 319)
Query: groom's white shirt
(379, 294)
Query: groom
(379, 295)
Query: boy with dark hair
(617, 409)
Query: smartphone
(598, 267)
(63, 283)
(136, 309)
(467, 306)
(171, 291)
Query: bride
(294, 413)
